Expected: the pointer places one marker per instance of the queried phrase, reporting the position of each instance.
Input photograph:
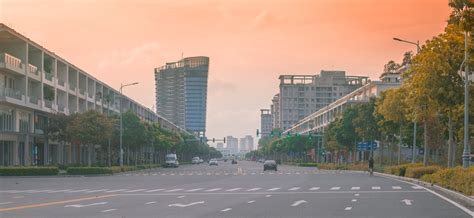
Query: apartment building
(35, 83)
(232, 144)
(265, 122)
(301, 95)
(275, 111)
(181, 93)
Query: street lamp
(417, 43)
(121, 129)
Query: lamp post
(121, 125)
(417, 43)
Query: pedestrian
(371, 166)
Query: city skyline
(113, 54)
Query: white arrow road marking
(105, 211)
(375, 187)
(232, 190)
(186, 205)
(151, 202)
(3, 203)
(314, 188)
(354, 200)
(155, 190)
(136, 190)
(193, 190)
(273, 189)
(355, 188)
(212, 190)
(227, 209)
(348, 208)
(253, 189)
(335, 188)
(396, 187)
(116, 190)
(406, 201)
(294, 188)
(174, 190)
(85, 205)
(249, 202)
(298, 203)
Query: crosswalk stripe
(136, 190)
(314, 188)
(155, 190)
(417, 187)
(375, 187)
(335, 188)
(174, 190)
(234, 189)
(273, 189)
(212, 190)
(294, 188)
(98, 190)
(193, 190)
(253, 189)
(396, 187)
(355, 188)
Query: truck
(171, 160)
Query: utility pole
(121, 125)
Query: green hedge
(417, 172)
(399, 170)
(308, 164)
(457, 179)
(88, 170)
(28, 171)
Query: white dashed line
(267, 196)
(417, 187)
(213, 190)
(193, 190)
(355, 188)
(234, 189)
(253, 189)
(227, 209)
(105, 211)
(354, 200)
(65, 190)
(294, 189)
(396, 187)
(174, 190)
(375, 187)
(314, 188)
(155, 190)
(249, 202)
(356, 194)
(335, 188)
(3, 203)
(98, 190)
(348, 208)
(181, 196)
(136, 190)
(116, 190)
(75, 191)
(151, 202)
(273, 189)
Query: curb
(469, 201)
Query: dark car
(234, 162)
(269, 165)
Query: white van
(171, 160)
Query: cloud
(123, 57)
(260, 19)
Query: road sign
(421, 151)
(367, 146)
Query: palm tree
(463, 15)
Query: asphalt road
(241, 190)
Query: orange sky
(249, 42)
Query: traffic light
(213, 140)
(258, 132)
(224, 139)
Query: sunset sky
(249, 42)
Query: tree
(365, 122)
(134, 135)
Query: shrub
(88, 170)
(28, 171)
(358, 166)
(417, 172)
(327, 166)
(399, 170)
(308, 164)
(457, 179)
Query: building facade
(36, 83)
(275, 111)
(232, 144)
(220, 145)
(265, 122)
(181, 93)
(301, 95)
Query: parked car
(269, 164)
(213, 162)
(195, 160)
(234, 161)
(201, 160)
(171, 160)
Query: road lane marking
(273, 189)
(375, 187)
(354, 200)
(348, 208)
(406, 201)
(314, 188)
(39, 191)
(253, 189)
(116, 190)
(213, 190)
(267, 196)
(294, 189)
(417, 187)
(3, 203)
(136, 190)
(249, 202)
(174, 190)
(234, 189)
(105, 211)
(355, 188)
(181, 196)
(356, 194)
(335, 188)
(54, 203)
(396, 187)
(155, 190)
(227, 209)
(56, 191)
(75, 191)
(151, 202)
(296, 203)
(98, 190)
(85, 205)
(186, 205)
(18, 197)
(193, 190)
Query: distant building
(265, 122)
(232, 144)
(249, 142)
(219, 145)
(301, 95)
(275, 111)
(181, 93)
(242, 144)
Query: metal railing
(9, 92)
(61, 107)
(48, 103)
(11, 60)
(33, 99)
(48, 76)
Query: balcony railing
(82, 91)
(48, 76)
(48, 103)
(72, 87)
(33, 99)
(10, 60)
(33, 69)
(61, 107)
(61, 82)
(12, 93)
